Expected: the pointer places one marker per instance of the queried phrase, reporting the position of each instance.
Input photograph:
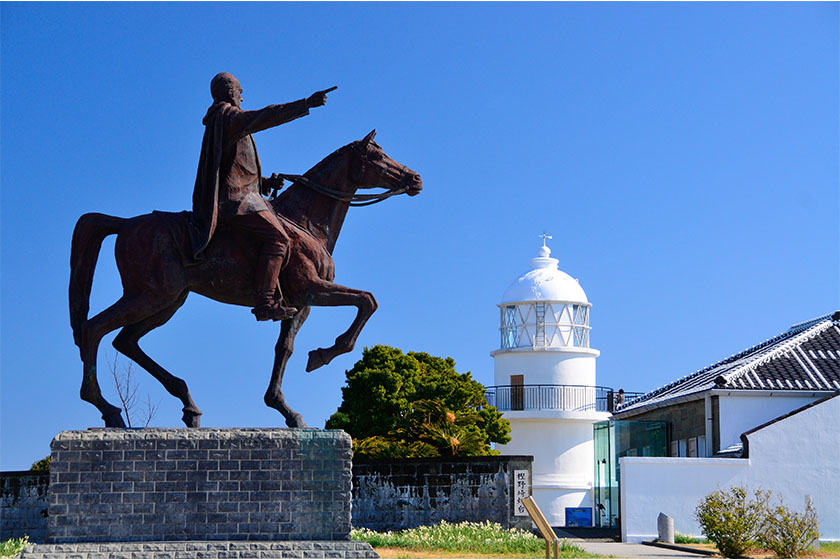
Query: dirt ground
(760, 553)
(396, 553)
(386, 552)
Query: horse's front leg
(282, 351)
(328, 294)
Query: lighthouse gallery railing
(581, 398)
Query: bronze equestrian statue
(235, 247)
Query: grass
(827, 550)
(679, 538)
(462, 540)
(13, 547)
(830, 547)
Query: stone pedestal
(199, 484)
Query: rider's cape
(206, 191)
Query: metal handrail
(581, 398)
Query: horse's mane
(296, 201)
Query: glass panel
(614, 439)
(542, 324)
(509, 326)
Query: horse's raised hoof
(316, 359)
(114, 420)
(191, 417)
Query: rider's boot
(270, 306)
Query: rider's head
(224, 87)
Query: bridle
(352, 199)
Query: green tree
(416, 405)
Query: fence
(578, 398)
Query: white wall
(549, 367)
(801, 455)
(739, 413)
(793, 457)
(673, 486)
(563, 468)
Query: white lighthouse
(545, 386)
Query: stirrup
(274, 312)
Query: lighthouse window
(509, 315)
(544, 324)
(509, 329)
(581, 313)
(581, 337)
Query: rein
(352, 199)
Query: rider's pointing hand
(319, 98)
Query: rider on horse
(229, 185)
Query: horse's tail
(91, 230)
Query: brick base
(199, 484)
(193, 549)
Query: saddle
(186, 235)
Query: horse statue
(153, 257)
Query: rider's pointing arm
(243, 123)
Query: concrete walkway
(630, 550)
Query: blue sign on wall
(578, 517)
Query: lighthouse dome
(544, 282)
(544, 309)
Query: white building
(545, 386)
(712, 407)
(767, 417)
(796, 456)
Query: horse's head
(318, 200)
(373, 168)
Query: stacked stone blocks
(23, 505)
(397, 494)
(198, 484)
(205, 549)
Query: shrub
(13, 547)
(788, 533)
(732, 519)
(42, 465)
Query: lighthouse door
(517, 392)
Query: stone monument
(208, 492)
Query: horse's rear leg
(127, 342)
(282, 351)
(126, 310)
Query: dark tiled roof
(734, 450)
(806, 357)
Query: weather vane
(544, 237)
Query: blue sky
(683, 155)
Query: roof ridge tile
(785, 346)
(787, 340)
